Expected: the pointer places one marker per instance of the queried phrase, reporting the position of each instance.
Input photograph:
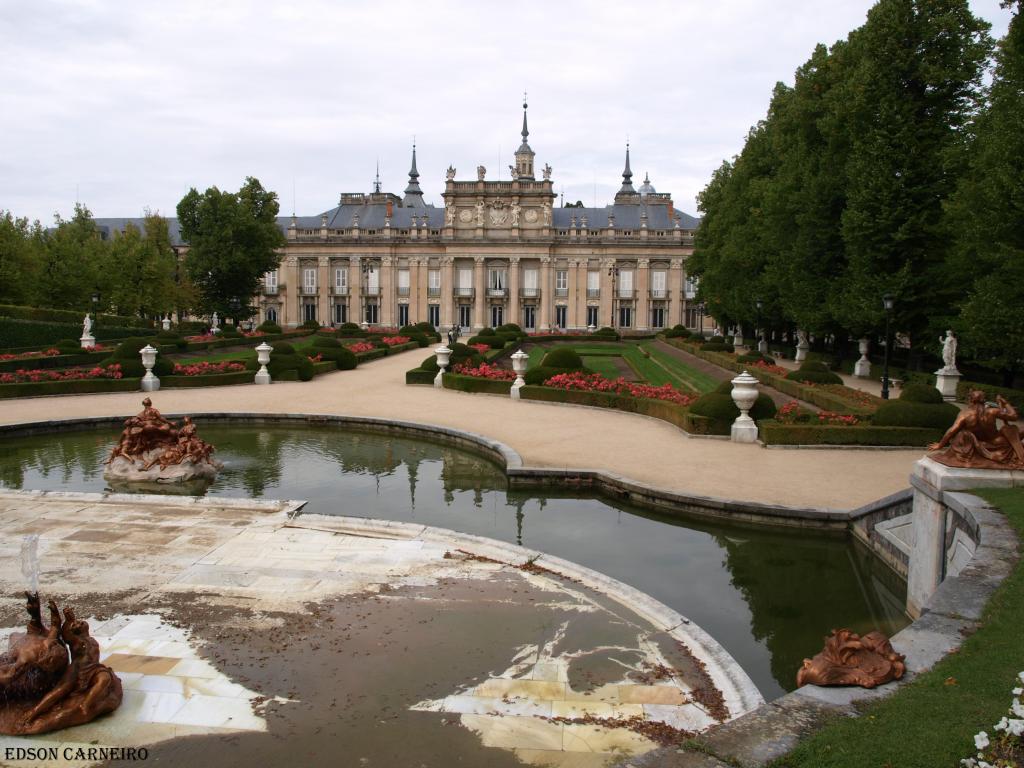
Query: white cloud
(133, 103)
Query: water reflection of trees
(55, 457)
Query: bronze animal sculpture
(52, 678)
(850, 659)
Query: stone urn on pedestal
(444, 354)
(737, 338)
(744, 394)
(519, 363)
(150, 383)
(263, 357)
(166, 323)
(862, 368)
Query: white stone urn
(444, 354)
(590, 329)
(150, 383)
(519, 362)
(862, 368)
(737, 338)
(744, 394)
(263, 357)
(364, 325)
(166, 323)
(801, 346)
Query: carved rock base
(125, 470)
(849, 659)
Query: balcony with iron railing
(464, 290)
(625, 294)
(561, 292)
(371, 290)
(529, 293)
(309, 290)
(433, 290)
(659, 294)
(496, 293)
(403, 290)
(593, 293)
(340, 290)
(271, 290)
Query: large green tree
(71, 268)
(142, 264)
(233, 241)
(21, 247)
(986, 217)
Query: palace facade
(497, 252)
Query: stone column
(604, 315)
(546, 294)
(572, 284)
(480, 319)
(355, 290)
(513, 291)
(292, 298)
(323, 290)
(447, 297)
(387, 313)
(642, 321)
(419, 314)
(578, 308)
(676, 293)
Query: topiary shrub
(541, 373)
(461, 353)
(486, 332)
(349, 327)
(425, 327)
(562, 357)
(343, 359)
(325, 342)
(170, 337)
(908, 413)
(127, 354)
(311, 325)
(492, 340)
(268, 327)
(755, 357)
(720, 408)
(510, 328)
(304, 366)
(680, 327)
(716, 346)
(69, 347)
(814, 377)
(814, 365)
(606, 333)
(282, 348)
(677, 333)
(230, 330)
(921, 393)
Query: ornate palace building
(497, 252)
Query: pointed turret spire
(627, 177)
(524, 155)
(413, 194)
(376, 181)
(526, 131)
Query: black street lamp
(888, 302)
(613, 272)
(757, 331)
(700, 324)
(96, 308)
(235, 305)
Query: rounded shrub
(230, 330)
(541, 373)
(492, 340)
(814, 365)
(343, 359)
(420, 339)
(305, 368)
(716, 346)
(349, 327)
(486, 332)
(755, 357)
(69, 346)
(679, 327)
(717, 340)
(907, 413)
(719, 406)
(430, 364)
(268, 327)
(311, 324)
(510, 328)
(921, 393)
(282, 348)
(562, 357)
(814, 377)
(170, 337)
(325, 342)
(425, 327)
(677, 333)
(606, 333)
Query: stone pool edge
(953, 612)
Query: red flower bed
(394, 341)
(29, 355)
(317, 358)
(485, 371)
(361, 346)
(204, 368)
(203, 337)
(793, 413)
(837, 419)
(595, 382)
(253, 334)
(112, 371)
(778, 370)
(481, 348)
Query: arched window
(271, 315)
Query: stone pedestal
(737, 339)
(263, 357)
(946, 380)
(931, 533)
(744, 394)
(519, 362)
(88, 341)
(862, 368)
(801, 347)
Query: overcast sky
(128, 104)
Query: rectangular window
(434, 315)
(270, 281)
(658, 317)
(497, 315)
(692, 283)
(593, 284)
(309, 311)
(530, 317)
(403, 314)
(372, 280)
(561, 282)
(530, 281)
(561, 313)
(625, 317)
(465, 316)
(341, 279)
(434, 283)
(403, 283)
(496, 281)
(371, 314)
(626, 284)
(658, 289)
(464, 286)
(309, 281)
(592, 316)
(340, 313)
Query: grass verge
(933, 720)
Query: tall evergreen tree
(21, 246)
(71, 269)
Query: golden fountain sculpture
(849, 659)
(976, 441)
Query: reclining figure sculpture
(52, 678)
(850, 659)
(976, 440)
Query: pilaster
(513, 290)
(323, 290)
(642, 321)
(547, 294)
(479, 294)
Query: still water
(767, 595)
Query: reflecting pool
(768, 595)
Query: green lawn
(695, 379)
(603, 364)
(933, 720)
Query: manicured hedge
(916, 392)
(1014, 396)
(562, 357)
(401, 347)
(774, 433)
(57, 361)
(474, 384)
(420, 376)
(373, 354)
(27, 334)
(659, 409)
(209, 380)
(906, 413)
(42, 314)
(492, 340)
(76, 387)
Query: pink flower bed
(485, 371)
(203, 337)
(361, 346)
(112, 371)
(29, 355)
(595, 382)
(481, 348)
(793, 413)
(253, 334)
(394, 341)
(204, 368)
(778, 370)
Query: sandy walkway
(545, 435)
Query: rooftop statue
(51, 678)
(976, 441)
(850, 659)
(154, 449)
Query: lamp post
(613, 272)
(700, 325)
(95, 309)
(888, 301)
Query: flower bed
(792, 413)
(28, 355)
(361, 346)
(394, 341)
(21, 376)
(761, 365)
(485, 371)
(481, 348)
(203, 337)
(595, 382)
(205, 369)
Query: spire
(526, 131)
(376, 182)
(627, 176)
(524, 155)
(413, 194)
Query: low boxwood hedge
(76, 387)
(541, 373)
(474, 384)
(659, 409)
(915, 392)
(209, 380)
(719, 408)
(420, 376)
(43, 314)
(1013, 396)
(81, 358)
(907, 413)
(32, 335)
(774, 433)
(492, 340)
(716, 346)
